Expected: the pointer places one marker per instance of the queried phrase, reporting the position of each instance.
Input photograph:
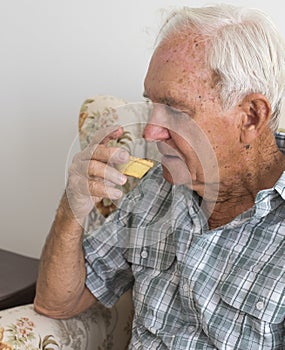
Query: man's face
(195, 136)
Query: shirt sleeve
(109, 274)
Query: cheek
(192, 152)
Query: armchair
(97, 328)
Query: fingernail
(123, 155)
(116, 194)
(122, 179)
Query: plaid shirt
(193, 288)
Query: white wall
(54, 54)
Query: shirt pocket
(159, 255)
(259, 294)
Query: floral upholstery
(98, 328)
(104, 111)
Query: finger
(100, 188)
(106, 172)
(115, 155)
(83, 188)
(91, 169)
(104, 135)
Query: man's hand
(61, 290)
(92, 175)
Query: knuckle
(93, 168)
(76, 157)
(73, 182)
(94, 187)
(95, 151)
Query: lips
(167, 151)
(170, 157)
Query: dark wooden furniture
(18, 276)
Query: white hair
(247, 53)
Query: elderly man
(201, 239)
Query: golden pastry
(136, 167)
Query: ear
(256, 113)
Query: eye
(173, 111)
(147, 100)
(177, 114)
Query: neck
(258, 168)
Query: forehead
(178, 66)
(187, 45)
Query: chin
(177, 177)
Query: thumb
(103, 136)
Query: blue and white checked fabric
(194, 288)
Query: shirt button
(259, 305)
(185, 288)
(144, 254)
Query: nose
(154, 132)
(156, 127)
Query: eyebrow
(167, 100)
(172, 102)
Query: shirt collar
(280, 185)
(266, 200)
(280, 140)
